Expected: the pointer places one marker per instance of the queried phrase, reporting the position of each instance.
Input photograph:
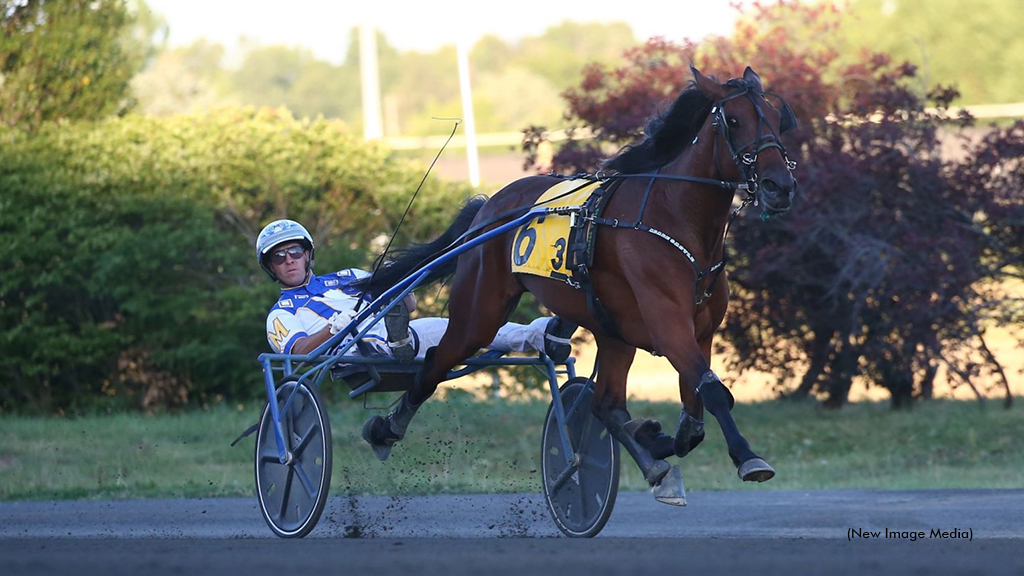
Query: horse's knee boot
(648, 433)
(418, 393)
(399, 419)
(381, 433)
(689, 434)
(653, 469)
(714, 394)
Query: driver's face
(288, 261)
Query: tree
(269, 73)
(950, 41)
(64, 59)
(561, 51)
(889, 267)
(182, 80)
(514, 82)
(127, 270)
(533, 101)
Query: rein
(742, 158)
(701, 273)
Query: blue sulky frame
(323, 361)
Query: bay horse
(656, 278)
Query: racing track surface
(750, 531)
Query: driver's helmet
(278, 232)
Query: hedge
(127, 273)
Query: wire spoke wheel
(581, 495)
(292, 495)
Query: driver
(313, 308)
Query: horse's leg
(690, 432)
(697, 434)
(699, 387)
(475, 316)
(719, 401)
(751, 469)
(609, 404)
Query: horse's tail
(401, 262)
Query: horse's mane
(666, 134)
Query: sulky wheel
(580, 495)
(292, 495)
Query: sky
(425, 25)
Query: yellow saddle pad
(540, 247)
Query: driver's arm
(307, 344)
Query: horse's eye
(733, 122)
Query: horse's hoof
(755, 470)
(648, 434)
(558, 339)
(642, 427)
(695, 441)
(688, 435)
(372, 434)
(656, 472)
(670, 489)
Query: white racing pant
(511, 337)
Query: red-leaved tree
(891, 265)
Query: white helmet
(278, 232)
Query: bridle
(745, 156)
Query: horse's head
(751, 122)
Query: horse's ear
(752, 78)
(709, 87)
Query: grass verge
(461, 445)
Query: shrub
(889, 266)
(127, 271)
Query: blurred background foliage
(128, 276)
(974, 46)
(515, 84)
(903, 249)
(949, 41)
(134, 177)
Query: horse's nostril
(774, 188)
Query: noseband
(745, 157)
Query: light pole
(462, 51)
(370, 82)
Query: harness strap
(700, 273)
(696, 179)
(583, 227)
(594, 219)
(581, 254)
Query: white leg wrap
(401, 342)
(511, 337)
(514, 337)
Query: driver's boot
(400, 339)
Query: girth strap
(582, 236)
(701, 273)
(583, 232)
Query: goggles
(294, 252)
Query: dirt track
(762, 531)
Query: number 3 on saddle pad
(541, 247)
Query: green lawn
(463, 445)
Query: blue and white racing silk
(305, 310)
